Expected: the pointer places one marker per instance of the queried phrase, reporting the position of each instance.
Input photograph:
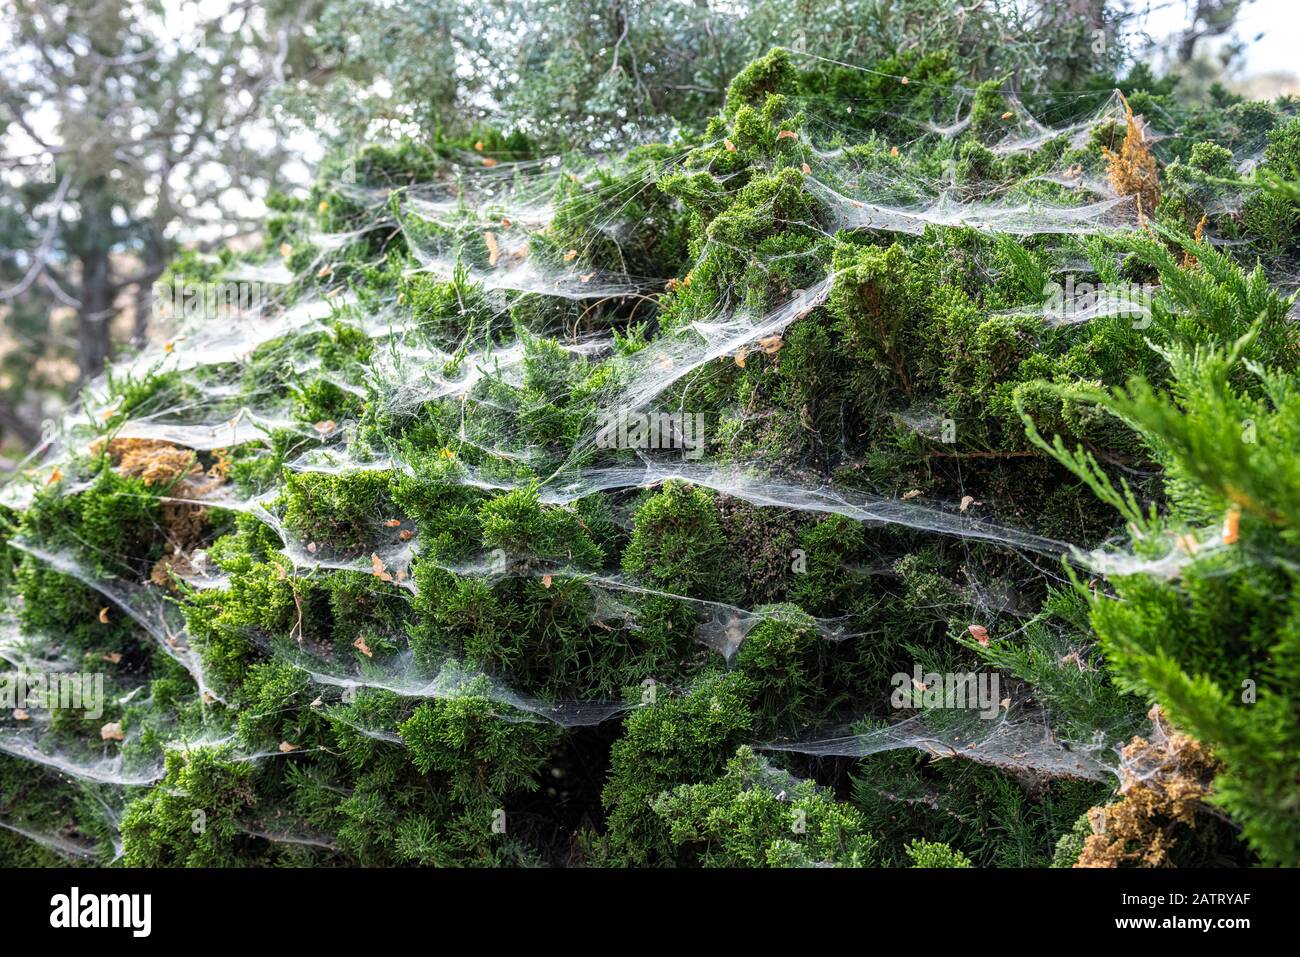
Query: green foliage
(440, 624)
(753, 816)
(672, 742)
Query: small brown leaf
(588, 277)
(505, 223)
(494, 251)
(1231, 526)
(311, 547)
(967, 501)
(325, 271)
(740, 357)
(546, 581)
(377, 568)
(405, 535)
(286, 250)
(21, 715)
(318, 702)
(392, 523)
(787, 135)
(913, 493)
(325, 427)
(1006, 115)
(113, 657)
(55, 477)
(979, 633)
(479, 146)
(286, 747)
(806, 169)
(731, 147)
(571, 254)
(111, 731)
(489, 162)
(103, 615)
(893, 151)
(361, 646)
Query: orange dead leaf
(103, 615)
(113, 657)
(1007, 115)
(505, 223)
(546, 581)
(1231, 526)
(392, 523)
(479, 146)
(893, 151)
(570, 255)
(325, 271)
(111, 731)
(806, 169)
(286, 747)
(489, 162)
(740, 357)
(311, 547)
(325, 427)
(21, 715)
(55, 477)
(361, 646)
(285, 250)
(731, 147)
(979, 633)
(494, 251)
(911, 494)
(967, 501)
(787, 135)
(405, 535)
(377, 568)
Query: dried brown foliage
(178, 471)
(1132, 170)
(1164, 783)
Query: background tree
(600, 73)
(128, 124)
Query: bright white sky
(1277, 20)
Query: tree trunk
(93, 345)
